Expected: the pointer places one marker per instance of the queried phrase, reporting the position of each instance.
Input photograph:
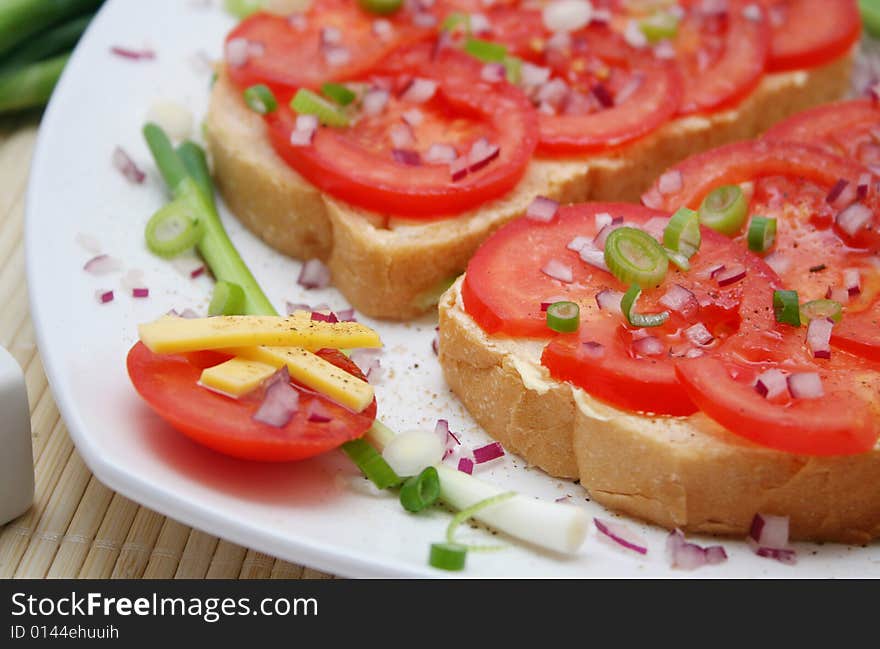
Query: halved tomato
(505, 286)
(334, 40)
(169, 384)
(844, 421)
(810, 33)
(722, 54)
(383, 162)
(792, 183)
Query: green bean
(21, 19)
(30, 86)
(52, 42)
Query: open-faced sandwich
(390, 138)
(705, 357)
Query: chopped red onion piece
(805, 385)
(401, 135)
(603, 219)
(862, 187)
(140, 292)
(542, 209)
(620, 535)
(413, 116)
(593, 349)
(629, 89)
(102, 265)
(670, 182)
(788, 557)
(714, 270)
(127, 167)
(602, 235)
(306, 125)
(840, 295)
(103, 296)
(678, 298)
(331, 36)
(280, 403)
(317, 413)
(237, 52)
(382, 29)
(314, 274)
(771, 383)
(557, 270)
(482, 153)
(407, 157)
(545, 304)
(566, 15)
(188, 314)
(419, 90)
(488, 452)
(578, 243)
(600, 92)
(435, 345)
(649, 346)
(440, 153)
(836, 190)
(346, 315)
(493, 73)
(609, 300)
(655, 226)
(336, 56)
(134, 55)
(593, 256)
(466, 465)
(753, 12)
(479, 23)
(458, 168)
(88, 243)
(689, 556)
(368, 362)
(819, 337)
(699, 334)
(317, 316)
(652, 199)
(778, 262)
(852, 281)
(375, 100)
(633, 34)
(854, 218)
(297, 21)
(197, 271)
(769, 531)
(533, 75)
(552, 93)
(730, 276)
(561, 40)
(665, 50)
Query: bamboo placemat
(77, 527)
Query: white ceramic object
(317, 512)
(16, 454)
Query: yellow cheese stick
(170, 335)
(313, 372)
(237, 376)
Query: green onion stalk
(557, 527)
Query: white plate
(306, 512)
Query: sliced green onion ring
(679, 260)
(447, 556)
(470, 512)
(786, 307)
(659, 26)
(485, 50)
(634, 257)
(762, 233)
(228, 299)
(682, 234)
(628, 306)
(381, 7)
(173, 229)
(513, 67)
(724, 209)
(420, 491)
(564, 317)
(819, 309)
(453, 20)
(371, 464)
(307, 102)
(243, 8)
(341, 94)
(260, 99)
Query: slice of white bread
(391, 268)
(686, 472)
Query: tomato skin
(367, 176)
(810, 33)
(840, 423)
(168, 383)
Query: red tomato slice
(601, 92)
(722, 56)
(810, 33)
(333, 41)
(849, 128)
(845, 421)
(358, 163)
(791, 184)
(168, 383)
(505, 286)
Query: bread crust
(686, 472)
(389, 267)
